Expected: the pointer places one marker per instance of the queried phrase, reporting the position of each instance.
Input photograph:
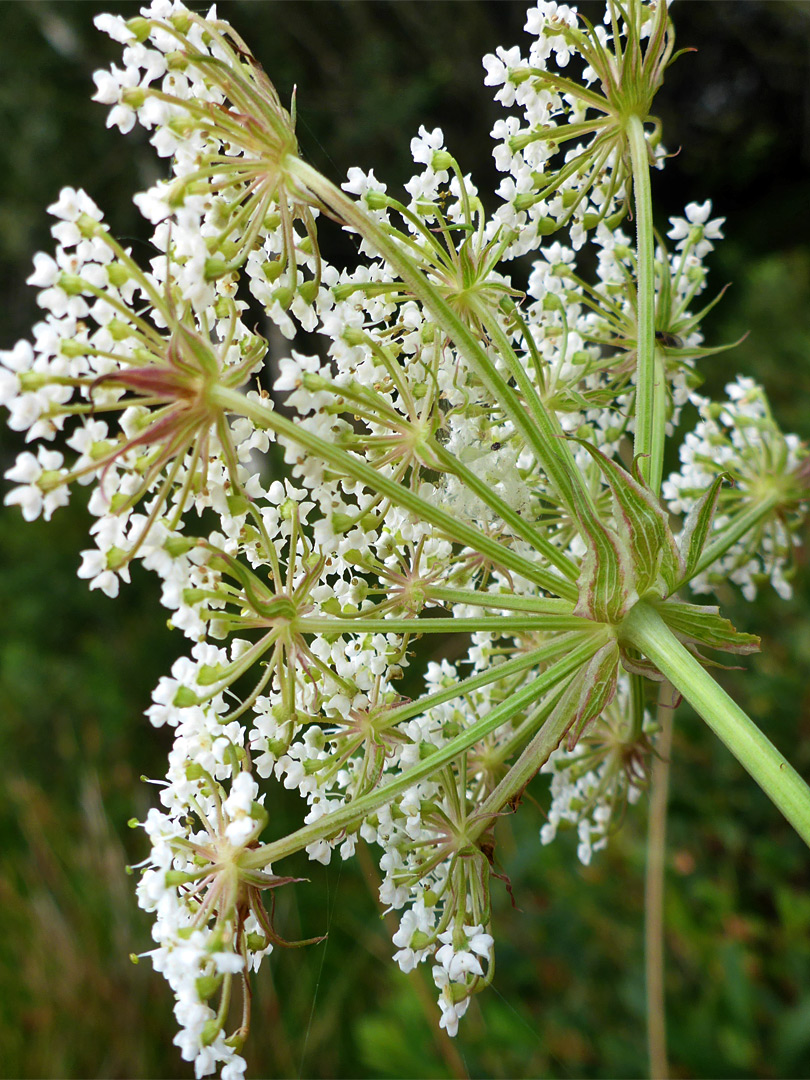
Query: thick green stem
(650, 405)
(646, 631)
(349, 817)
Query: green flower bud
(308, 291)
(89, 226)
(211, 673)
(118, 329)
(210, 1030)
(526, 200)
(353, 337)
(272, 270)
(117, 274)
(441, 160)
(71, 284)
(314, 382)
(341, 523)
(140, 27)
(181, 22)
(419, 940)
(207, 986)
(284, 296)
(376, 200)
(237, 504)
(176, 60)
(215, 268)
(134, 97)
(185, 697)
(116, 558)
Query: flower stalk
(648, 446)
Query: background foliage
(76, 669)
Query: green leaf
(606, 591)
(607, 585)
(697, 527)
(589, 692)
(642, 525)
(699, 625)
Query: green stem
(527, 766)
(506, 601)
(546, 417)
(649, 426)
(644, 629)
(556, 646)
(659, 422)
(349, 817)
(543, 546)
(491, 624)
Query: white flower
(115, 26)
(71, 204)
(36, 475)
(696, 230)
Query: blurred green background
(76, 669)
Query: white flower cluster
(191, 884)
(586, 334)
(606, 771)
(577, 121)
(767, 471)
(450, 462)
(228, 200)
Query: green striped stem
(650, 386)
(644, 629)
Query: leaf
(643, 526)
(699, 625)
(589, 692)
(698, 526)
(637, 665)
(606, 590)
